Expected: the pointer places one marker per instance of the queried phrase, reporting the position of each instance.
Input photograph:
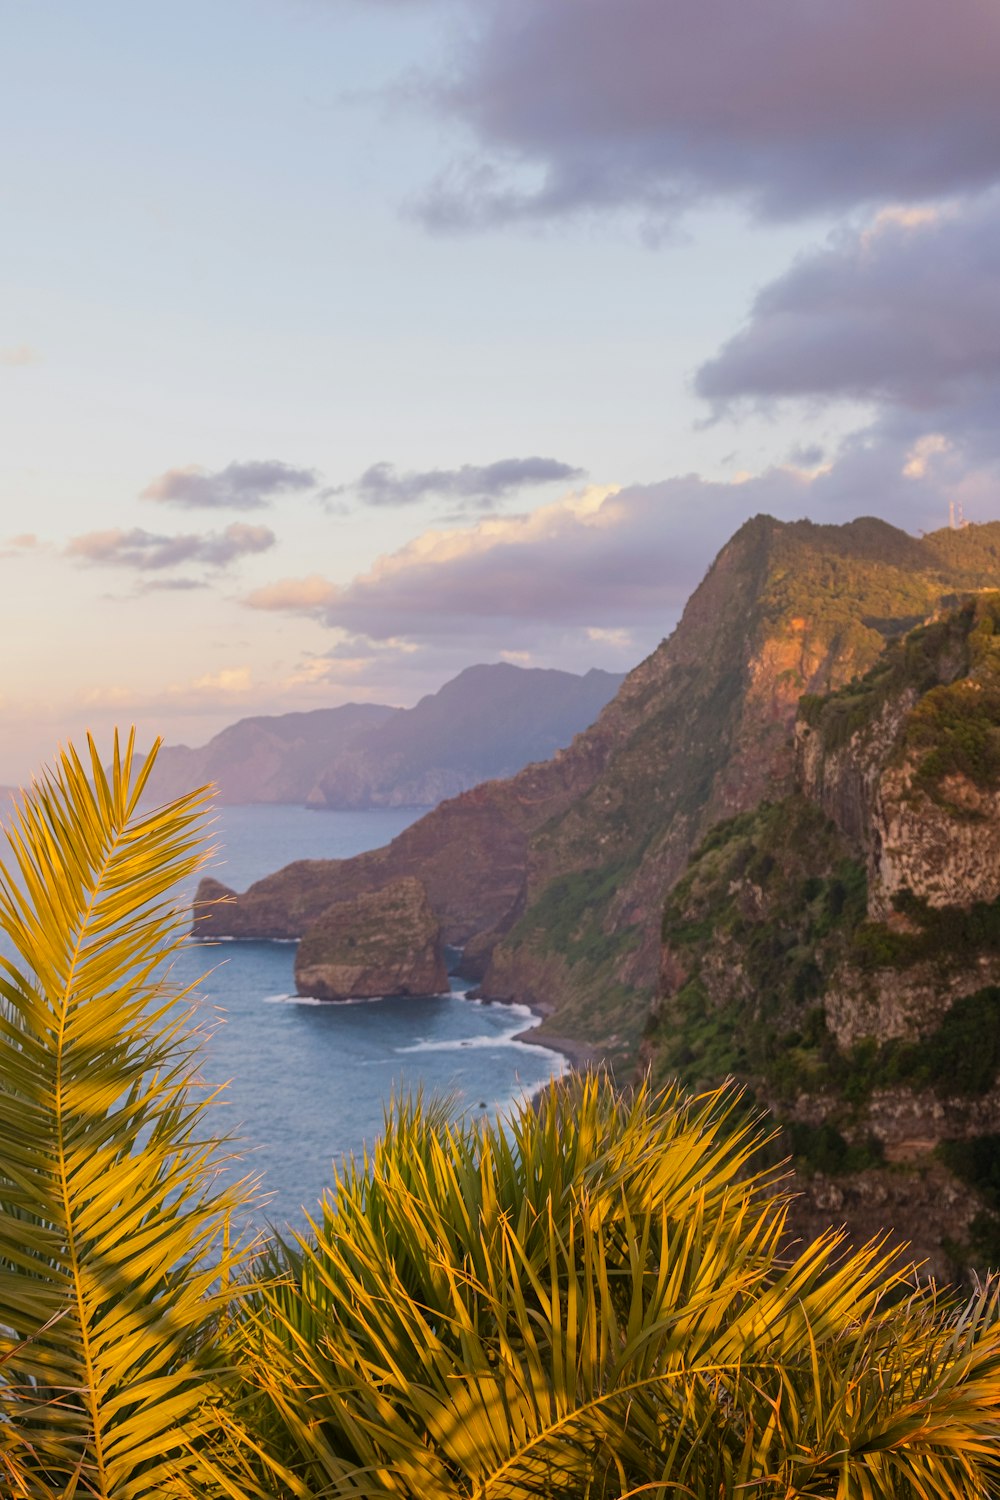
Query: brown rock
(385, 942)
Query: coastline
(579, 1055)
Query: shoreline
(579, 1055)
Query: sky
(345, 343)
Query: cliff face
(554, 879)
(839, 950)
(907, 763)
(386, 942)
(785, 609)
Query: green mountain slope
(838, 951)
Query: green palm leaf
(114, 1247)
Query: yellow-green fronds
(593, 1303)
(113, 1233)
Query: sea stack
(385, 942)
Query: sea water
(308, 1080)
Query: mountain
(270, 758)
(554, 880)
(488, 721)
(838, 950)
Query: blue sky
(346, 342)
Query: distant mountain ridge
(490, 721)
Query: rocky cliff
(839, 950)
(554, 879)
(385, 942)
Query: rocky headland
(385, 942)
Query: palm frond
(592, 1304)
(113, 1231)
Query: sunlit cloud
(17, 355)
(609, 636)
(923, 452)
(22, 545)
(228, 680)
(299, 596)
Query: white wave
(315, 1000)
(460, 1044)
(210, 942)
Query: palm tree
(594, 1303)
(115, 1252)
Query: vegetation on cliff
(753, 934)
(952, 667)
(591, 1303)
(876, 1040)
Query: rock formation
(386, 942)
(838, 951)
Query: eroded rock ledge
(385, 942)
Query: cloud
(173, 585)
(148, 551)
(298, 596)
(788, 106)
(18, 546)
(228, 680)
(588, 565)
(239, 486)
(603, 575)
(904, 312)
(481, 484)
(19, 354)
(923, 453)
(807, 456)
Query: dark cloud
(239, 486)
(791, 106)
(478, 484)
(904, 312)
(146, 551)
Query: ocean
(308, 1081)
